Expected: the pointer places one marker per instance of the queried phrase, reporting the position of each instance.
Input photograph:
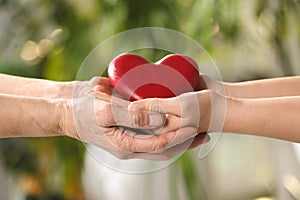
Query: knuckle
(105, 115)
(142, 119)
(106, 108)
(135, 117)
(155, 105)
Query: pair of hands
(97, 115)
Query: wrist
(242, 90)
(66, 123)
(220, 87)
(234, 112)
(23, 116)
(230, 89)
(218, 109)
(64, 90)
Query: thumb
(169, 105)
(116, 112)
(137, 119)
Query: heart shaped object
(136, 78)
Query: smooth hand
(191, 112)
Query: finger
(102, 96)
(103, 89)
(135, 118)
(181, 136)
(184, 105)
(171, 152)
(127, 141)
(104, 81)
(170, 105)
(116, 113)
(97, 80)
(167, 140)
(94, 80)
(141, 119)
(150, 143)
(102, 85)
(173, 123)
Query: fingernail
(156, 120)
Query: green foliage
(280, 11)
(186, 170)
(17, 157)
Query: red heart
(136, 78)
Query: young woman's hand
(193, 110)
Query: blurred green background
(246, 39)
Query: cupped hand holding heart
(136, 78)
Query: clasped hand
(171, 126)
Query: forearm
(29, 117)
(270, 117)
(31, 87)
(274, 87)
